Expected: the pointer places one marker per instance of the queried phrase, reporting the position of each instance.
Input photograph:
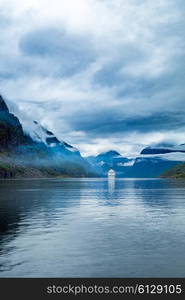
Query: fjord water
(92, 228)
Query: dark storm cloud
(72, 53)
(109, 125)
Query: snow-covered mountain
(152, 162)
(42, 135)
(110, 159)
(29, 144)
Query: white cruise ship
(111, 174)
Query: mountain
(40, 134)
(3, 106)
(153, 166)
(61, 155)
(176, 172)
(110, 159)
(151, 162)
(11, 131)
(37, 152)
(105, 157)
(163, 149)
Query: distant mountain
(150, 167)
(110, 159)
(37, 152)
(105, 157)
(163, 149)
(108, 156)
(150, 163)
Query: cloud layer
(100, 74)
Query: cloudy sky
(102, 74)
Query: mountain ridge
(163, 150)
(45, 154)
(144, 165)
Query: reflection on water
(111, 185)
(92, 228)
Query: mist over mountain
(163, 149)
(152, 162)
(28, 149)
(37, 152)
(106, 160)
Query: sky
(101, 74)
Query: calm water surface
(92, 228)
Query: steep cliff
(11, 131)
(38, 153)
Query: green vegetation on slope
(12, 166)
(9, 169)
(176, 172)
